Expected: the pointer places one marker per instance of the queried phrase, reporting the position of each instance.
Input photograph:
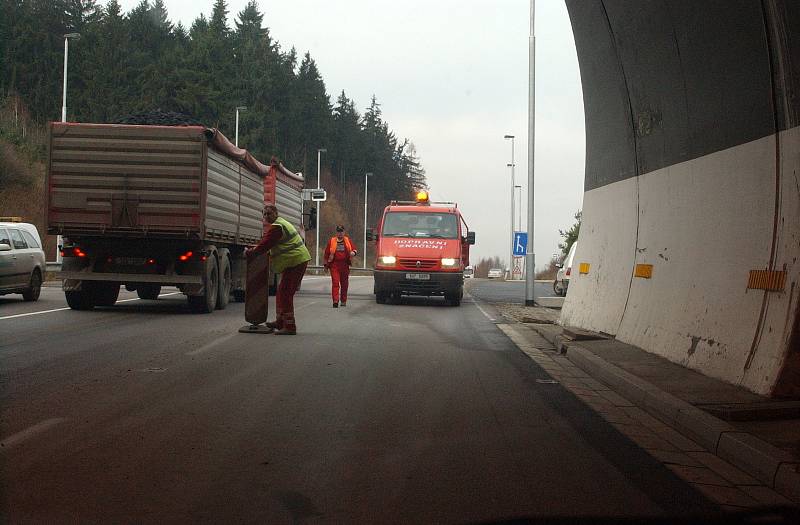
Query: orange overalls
(339, 266)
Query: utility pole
(511, 242)
(530, 256)
(319, 208)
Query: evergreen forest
(139, 61)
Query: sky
(452, 76)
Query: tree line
(139, 61)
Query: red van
(423, 248)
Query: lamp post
(519, 206)
(76, 36)
(238, 109)
(320, 151)
(511, 243)
(530, 256)
(366, 184)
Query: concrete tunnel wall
(693, 167)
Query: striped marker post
(257, 294)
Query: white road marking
(67, 308)
(33, 313)
(489, 317)
(210, 345)
(38, 428)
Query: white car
(561, 283)
(495, 273)
(22, 262)
(469, 272)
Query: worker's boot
(271, 324)
(344, 304)
(336, 305)
(284, 331)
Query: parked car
(469, 272)
(495, 273)
(22, 262)
(561, 284)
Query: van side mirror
(5, 247)
(371, 235)
(470, 237)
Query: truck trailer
(151, 206)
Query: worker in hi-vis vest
(338, 256)
(289, 257)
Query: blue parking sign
(520, 243)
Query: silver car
(22, 262)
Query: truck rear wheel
(224, 296)
(80, 300)
(104, 293)
(381, 297)
(149, 292)
(208, 301)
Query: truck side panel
(231, 191)
(125, 179)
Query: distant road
(497, 291)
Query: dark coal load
(158, 117)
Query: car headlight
(388, 260)
(449, 263)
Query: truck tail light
(72, 252)
(186, 256)
(569, 271)
(151, 261)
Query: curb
(772, 466)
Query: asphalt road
(415, 412)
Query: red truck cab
(422, 249)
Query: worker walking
(289, 257)
(338, 257)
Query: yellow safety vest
(291, 250)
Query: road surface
(415, 412)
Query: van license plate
(418, 276)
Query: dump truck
(146, 206)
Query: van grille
(424, 264)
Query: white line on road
(67, 308)
(210, 345)
(489, 317)
(38, 428)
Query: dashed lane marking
(38, 428)
(225, 338)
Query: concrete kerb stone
(772, 466)
(787, 481)
(753, 455)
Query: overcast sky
(452, 76)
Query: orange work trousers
(284, 298)
(340, 278)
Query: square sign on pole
(319, 195)
(520, 243)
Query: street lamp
(76, 36)
(530, 256)
(320, 151)
(238, 109)
(519, 206)
(366, 183)
(511, 244)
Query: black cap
(339, 228)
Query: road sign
(319, 195)
(520, 243)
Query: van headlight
(387, 260)
(449, 263)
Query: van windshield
(427, 225)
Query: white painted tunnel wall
(703, 225)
